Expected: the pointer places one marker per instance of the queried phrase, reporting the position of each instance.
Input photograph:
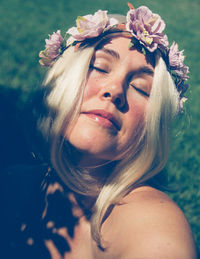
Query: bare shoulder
(148, 224)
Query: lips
(106, 118)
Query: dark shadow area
(32, 215)
(14, 149)
(24, 181)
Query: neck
(98, 169)
(101, 171)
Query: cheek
(137, 106)
(91, 88)
(136, 116)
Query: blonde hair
(66, 80)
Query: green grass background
(23, 27)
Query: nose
(115, 92)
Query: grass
(25, 24)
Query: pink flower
(52, 49)
(90, 26)
(176, 59)
(53, 44)
(147, 28)
(45, 61)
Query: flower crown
(146, 29)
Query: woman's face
(114, 103)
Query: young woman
(112, 90)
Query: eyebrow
(142, 70)
(111, 52)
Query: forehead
(120, 46)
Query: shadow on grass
(13, 145)
(21, 195)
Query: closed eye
(98, 69)
(140, 90)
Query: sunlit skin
(119, 83)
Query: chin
(93, 141)
(92, 151)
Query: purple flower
(90, 26)
(147, 28)
(52, 49)
(176, 59)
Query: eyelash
(140, 90)
(98, 69)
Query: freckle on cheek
(91, 88)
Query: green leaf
(144, 51)
(131, 44)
